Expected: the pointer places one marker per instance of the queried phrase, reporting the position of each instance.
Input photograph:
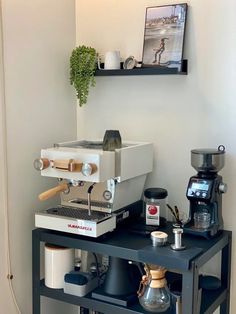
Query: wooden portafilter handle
(52, 192)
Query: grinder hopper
(208, 160)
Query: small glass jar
(154, 205)
(202, 220)
(153, 293)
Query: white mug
(112, 60)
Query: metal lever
(70, 165)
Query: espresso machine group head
(204, 193)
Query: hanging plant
(82, 70)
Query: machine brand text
(79, 227)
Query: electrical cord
(5, 170)
(97, 265)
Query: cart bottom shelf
(91, 303)
(210, 301)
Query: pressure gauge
(107, 195)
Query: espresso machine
(97, 188)
(204, 193)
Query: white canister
(58, 261)
(112, 60)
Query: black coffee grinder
(205, 191)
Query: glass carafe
(153, 293)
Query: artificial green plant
(82, 69)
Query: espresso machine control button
(222, 187)
(88, 169)
(41, 163)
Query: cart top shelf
(121, 243)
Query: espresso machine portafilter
(204, 193)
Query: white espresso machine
(97, 187)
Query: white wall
(176, 113)
(5, 295)
(40, 110)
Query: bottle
(153, 293)
(155, 205)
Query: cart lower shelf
(210, 301)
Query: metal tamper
(177, 246)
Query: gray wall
(40, 110)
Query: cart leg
(36, 271)
(191, 300)
(225, 275)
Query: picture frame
(164, 35)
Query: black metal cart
(133, 247)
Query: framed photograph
(164, 36)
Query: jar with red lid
(154, 205)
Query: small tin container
(159, 238)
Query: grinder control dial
(223, 187)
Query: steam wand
(89, 197)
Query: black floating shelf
(154, 70)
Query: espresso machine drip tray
(77, 213)
(75, 220)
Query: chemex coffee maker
(99, 184)
(205, 191)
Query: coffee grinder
(205, 191)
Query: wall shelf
(155, 70)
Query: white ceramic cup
(112, 60)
